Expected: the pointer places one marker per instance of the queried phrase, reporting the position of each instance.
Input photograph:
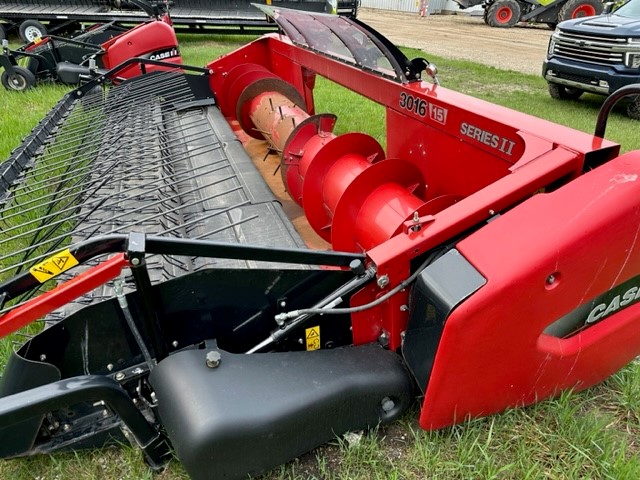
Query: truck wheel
(30, 30)
(503, 13)
(22, 79)
(560, 92)
(633, 108)
(579, 8)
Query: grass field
(594, 434)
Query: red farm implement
(90, 53)
(484, 259)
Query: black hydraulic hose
(324, 305)
(327, 305)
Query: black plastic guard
(439, 289)
(70, 73)
(254, 412)
(19, 375)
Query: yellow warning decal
(313, 338)
(52, 266)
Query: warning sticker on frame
(313, 338)
(53, 266)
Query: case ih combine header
(485, 260)
(93, 52)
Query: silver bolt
(135, 261)
(174, 344)
(120, 376)
(66, 427)
(43, 357)
(383, 281)
(105, 413)
(387, 404)
(550, 279)
(416, 217)
(301, 341)
(383, 339)
(213, 359)
(283, 304)
(404, 308)
(110, 366)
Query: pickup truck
(597, 54)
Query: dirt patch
(521, 48)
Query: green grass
(594, 434)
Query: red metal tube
(61, 295)
(275, 116)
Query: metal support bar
(177, 246)
(7, 61)
(150, 303)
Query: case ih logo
(614, 300)
(164, 54)
(600, 308)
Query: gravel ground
(521, 48)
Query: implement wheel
(30, 30)
(503, 13)
(22, 79)
(579, 8)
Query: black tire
(560, 92)
(484, 16)
(503, 13)
(552, 25)
(579, 8)
(633, 108)
(30, 30)
(21, 80)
